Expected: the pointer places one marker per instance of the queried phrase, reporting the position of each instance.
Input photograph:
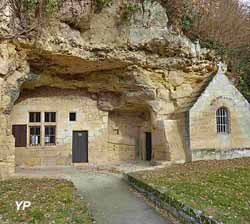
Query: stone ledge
(219, 154)
(170, 204)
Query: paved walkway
(109, 196)
(111, 201)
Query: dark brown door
(148, 146)
(80, 147)
(20, 134)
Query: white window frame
(222, 120)
(42, 124)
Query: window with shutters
(222, 120)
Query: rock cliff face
(127, 64)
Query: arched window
(222, 120)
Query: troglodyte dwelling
(100, 90)
(58, 128)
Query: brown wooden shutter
(20, 134)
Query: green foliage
(129, 10)
(186, 22)
(52, 201)
(36, 215)
(186, 15)
(238, 63)
(219, 25)
(219, 188)
(30, 4)
(52, 6)
(100, 4)
(242, 66)
(178, 12)
(219, 48)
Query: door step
(81, 165)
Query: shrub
(221, 25)
(224, 26)
(100, 4)
(128, 10)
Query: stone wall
(14, 71)
(208, 154)
(89, 118)
(43, 156)
(164, 199)
(160, 143)
(113, 136)
(203, 130)
(127, 65)
(127, 135)
(168, 140)
(7, 156)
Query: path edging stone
(163, 200)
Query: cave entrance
(113, 135)
(126, 135)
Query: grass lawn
(53, 201)
(220, 188)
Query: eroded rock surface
(135, 65)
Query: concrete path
(109, 196)
(111, 202)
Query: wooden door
(148, 146)
(80, 147)
(20, 134)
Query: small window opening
(35, 117)
(116, 131)
(72, 116)
(222, 120)
(50, 116)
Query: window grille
(222, 120)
